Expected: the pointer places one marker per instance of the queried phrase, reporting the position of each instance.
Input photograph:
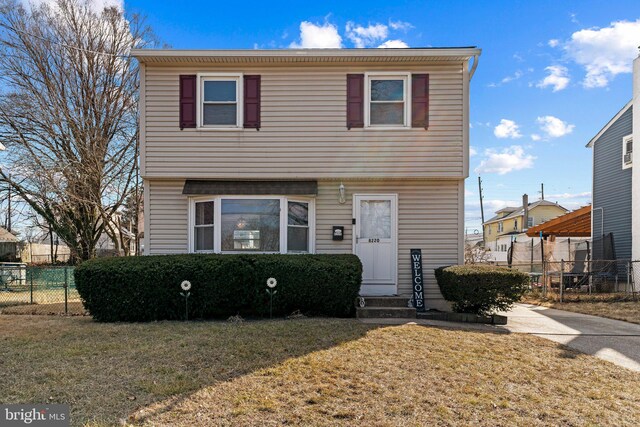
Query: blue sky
(551, 74)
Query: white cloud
(553, 42)
(314, 36)
(468, 193)
(400, 25)
(366, 36)
(604, 52)
(535, 137)
(393, 44)
(507, 129)
(558, 78)
(472, 151)
(553, 127)
(515, 76)
(508, 160)
(95, 5)
(565, 196)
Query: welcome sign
(418, 283)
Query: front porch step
(386, 313)
(401, 302)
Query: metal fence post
(30, 270)
(561, 279)
(66, 287)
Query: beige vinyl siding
(303, 132)
(429, 212)
(428, 219)
(167, 231)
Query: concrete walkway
(612, 340)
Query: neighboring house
(511, 223)
(9, 243)
(616, 183)
(330, 151)
(612, 173)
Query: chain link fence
(22, 284)
(565, 280)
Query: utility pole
(542, 190)
(481, 206)
(9, 206)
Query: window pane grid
(387, 101)
(219, 102)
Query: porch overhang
(249, 188)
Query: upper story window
(627, 152)
(387, 98)
(515, 224)
(529, 222)
(500, 227)
(219, 101)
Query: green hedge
(481, 289)
(148, 288)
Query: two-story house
(511, 223)
(359, 151)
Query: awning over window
(219, 187)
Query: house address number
(374, 240)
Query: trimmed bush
(148, 288)
(481, 289)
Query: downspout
(476, 57)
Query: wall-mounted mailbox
(338, 232)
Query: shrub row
(148, 288)
(481, 289)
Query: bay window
(266, 224)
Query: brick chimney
(525, 215)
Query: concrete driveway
(612, 340)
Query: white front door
(375, 242)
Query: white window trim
(217, 221)
(624, 151)
(500, 227)
(406, 77)
(201, 78)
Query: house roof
(427, 54)
(572, 224)
(519, 211)
(7, 236)
(608, 125)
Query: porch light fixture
(341, 198)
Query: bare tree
(68, 114)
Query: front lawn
(614, 306)
(306, 372)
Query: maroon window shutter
(252, 102)
(187, 101)
(355, 101)
(420, 101)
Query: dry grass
(74, 308)
(306, 372)
(40, 296)
(614, 306)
